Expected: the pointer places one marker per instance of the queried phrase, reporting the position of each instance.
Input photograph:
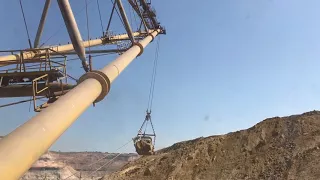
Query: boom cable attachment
(144, 142)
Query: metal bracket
(103, 80)
(140, 46)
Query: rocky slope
(276, 148)
(73, 165)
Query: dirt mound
(73, 165)
(276, 148)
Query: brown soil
(73, 165)
(276, 148)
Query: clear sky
(224, 65)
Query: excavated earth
(76, 165)
(276, 148)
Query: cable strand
(25, 24)
(155, 72)
(153, 76)
(98, 4)
(87, 19)
(62, 25)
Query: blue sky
(224, 65)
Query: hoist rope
(153, 77)
(98, 4)
(25, 24)
(151, 95)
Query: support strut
(5, 60)
(73, 31)
(125, 20)
(41, 24)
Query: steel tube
(92, 52)
(73, 31)
(22, 147)
(125, 20)
(117, 66)
(69, 47)
(41, 24)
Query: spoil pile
(276, 148)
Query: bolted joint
(140, 46)
(103, 80)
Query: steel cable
(25, 24)
(98, 4)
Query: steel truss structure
(41, 73)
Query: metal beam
(92, 52)
(69, 47)
(138, 11)
(147, 9)
(73, 31)
(41, 24)
(26, 90)
(111, 15)
(22, 147)
(125, 20)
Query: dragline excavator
(40, 72)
